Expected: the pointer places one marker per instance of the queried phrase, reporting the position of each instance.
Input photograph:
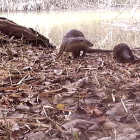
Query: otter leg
(76, 53)
(84, 53)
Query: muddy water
(54, 24)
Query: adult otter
(74, 45)
(74, 41)
(122, 53)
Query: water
(53, 24)
(96, 25)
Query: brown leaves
(46, 98)
(52, 92)
(94, 111)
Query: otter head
(85, 42)
(127, 56)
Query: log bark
(28, 35)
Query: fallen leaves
(91, 97)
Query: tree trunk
(28, 35)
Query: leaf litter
(87, 98)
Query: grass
(104, 28)
(36, 5)
(104, 32)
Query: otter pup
(122, 53)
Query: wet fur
(122, 53)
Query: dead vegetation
(87, 98)
(37, 5)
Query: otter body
(74, 33)
(75, 45)
(122, 53)
(74, 41)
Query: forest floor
(89, 98)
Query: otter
(75, 45)
(122, 53)
(74, 41)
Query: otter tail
(62, 49)
(91, 50)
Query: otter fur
(75, 45)
(122, 53)
(74, 41)
(74, 33)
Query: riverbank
(75, 99)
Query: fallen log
(28, 35)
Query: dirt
(88, 98)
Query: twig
(97, 81)
(124, 105)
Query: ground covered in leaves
(89, 98)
